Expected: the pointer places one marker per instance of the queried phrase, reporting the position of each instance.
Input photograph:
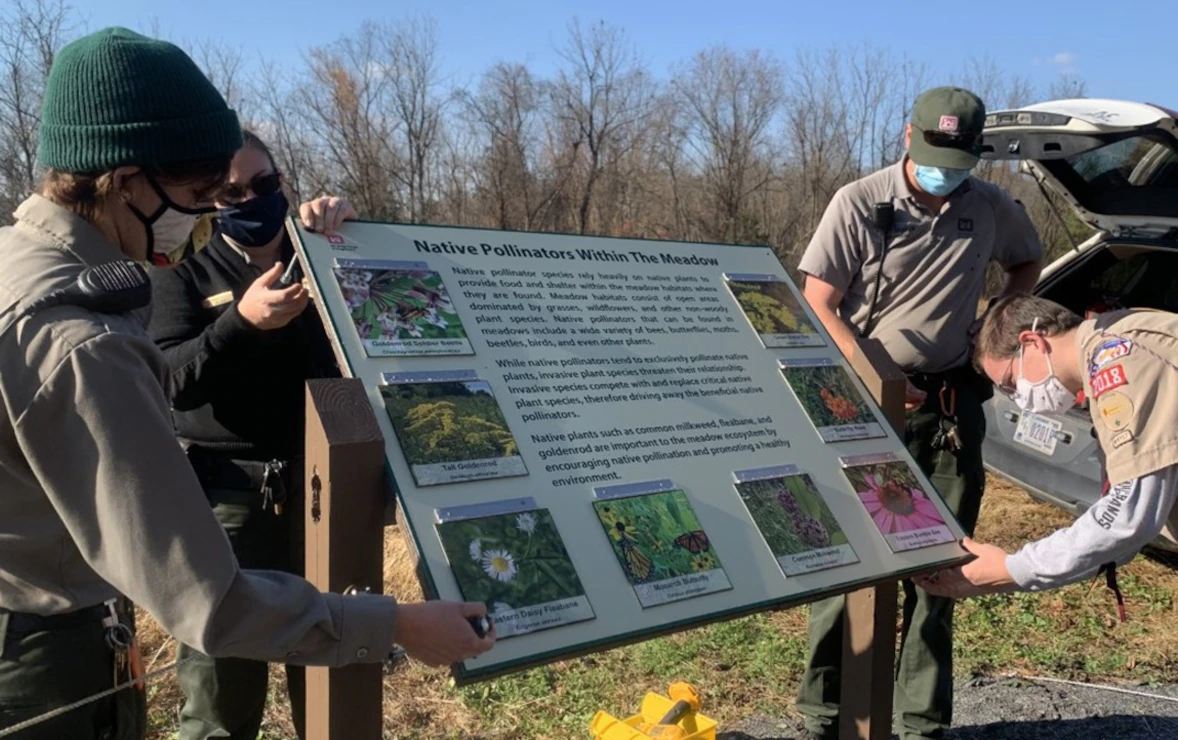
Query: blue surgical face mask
(255, 222)
(939, 181)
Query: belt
(24, 623)
(272, 480)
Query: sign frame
(335, 325)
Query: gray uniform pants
(226, 697)
(42, 671)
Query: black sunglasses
(944, 139)
(260, 185)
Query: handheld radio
(883, 217)
(111, 287)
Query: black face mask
(255, 222)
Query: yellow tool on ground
(672, 717)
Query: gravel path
(1014, 709)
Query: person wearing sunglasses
(99, 507)
(240, 348)
(1125, 362)
(900, 256)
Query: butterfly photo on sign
(661, 546)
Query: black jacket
(236, 389)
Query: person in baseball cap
(901, 257)
(945, 138)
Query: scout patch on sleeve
(1121, 438)
(1113, 349)
(219, 299)
(1107, 379)
(1115, 410)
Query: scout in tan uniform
(901, 256)
(97, 499)
(1126, 363)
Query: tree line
(728, 145)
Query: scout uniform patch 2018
(1107, 379)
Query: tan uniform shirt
(935, 268)
(1131, 382)
(96, 496)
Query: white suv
(1116, 163)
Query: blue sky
(1120, 53)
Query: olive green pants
(43, 671)
(226, 697)
(923, 698)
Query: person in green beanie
(100, 504)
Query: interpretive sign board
(608, 439)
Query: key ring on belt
(948, 410)
(118, 635)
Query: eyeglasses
(966, 142)
(1006, 386)
(260, 185)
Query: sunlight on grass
(751, 665)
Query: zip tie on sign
(1082, 685)
(144, 679)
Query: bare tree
(601, 95)
(412, 77)
(505, 113)
(347, 94)
(225, 66)
(31, 32)
(730, 101)
(1068, 85)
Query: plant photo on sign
(513, 561)
(451, 422)
(399, 304)
(893, 497)
(656, 536)
(828, 395)
(791, 514)
(771, 308)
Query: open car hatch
(1116, 162)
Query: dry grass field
(751, 665)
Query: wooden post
(345, 509)
(869, 624)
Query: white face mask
(170, 232)
(1047, 396)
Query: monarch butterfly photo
(656, 536)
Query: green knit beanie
(117, 98)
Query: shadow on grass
(1120, 726)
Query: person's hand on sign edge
(267, 308)
(325, 215)
(985, 574)
(913, 397)
(437, 633)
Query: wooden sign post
(869, 617)
(345, 506)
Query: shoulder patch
(1107, 379)
(1113, 349)
(1121, 438)
(1115, 410)
(219, 299)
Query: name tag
(220, 299)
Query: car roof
(1102, 112)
